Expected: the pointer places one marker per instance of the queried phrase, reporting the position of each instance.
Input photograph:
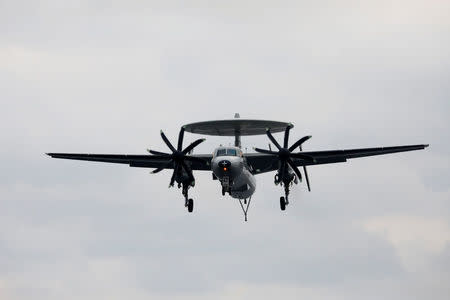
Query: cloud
(104, 77)
(417, 240)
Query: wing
(261, 163)
(140, 161)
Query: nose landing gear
(226, 183)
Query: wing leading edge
(265, 163)
(140, 161)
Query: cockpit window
(231, 152)
(227, 152)
(221, 152)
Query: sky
(106, 76)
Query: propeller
(285, 154)
(178, 157)
(306, 172)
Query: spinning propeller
(285, 154)
(178, 157)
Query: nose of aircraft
(224, 165)
(227, 166)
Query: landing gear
(190, 205)
(225, 185)
(188, 202)
(285, 200)
(282, 203)
(286, 191)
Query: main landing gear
(188, 202)
(284, 201)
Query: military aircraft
(234, 169)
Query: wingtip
(426, 145)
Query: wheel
(190, 205)
(223, 191)
(282, 203)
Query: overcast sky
(106, 76)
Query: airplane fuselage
(229, 166)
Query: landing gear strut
(286, 192)
(285, 200)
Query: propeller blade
(192, 146)
(157, 153)
(157, 170)
(303, 156)
(296, 170)
(174, 174)
(166, 140)
(180, 139)
(274, 141)
(307, 179)
(299, 143)
(306, 172)
(265, 151)
(286, 137)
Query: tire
(190, 205)
(282, 203)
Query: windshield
(221, 152)
(226, 152)
(231, 152)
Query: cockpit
(228, 152)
